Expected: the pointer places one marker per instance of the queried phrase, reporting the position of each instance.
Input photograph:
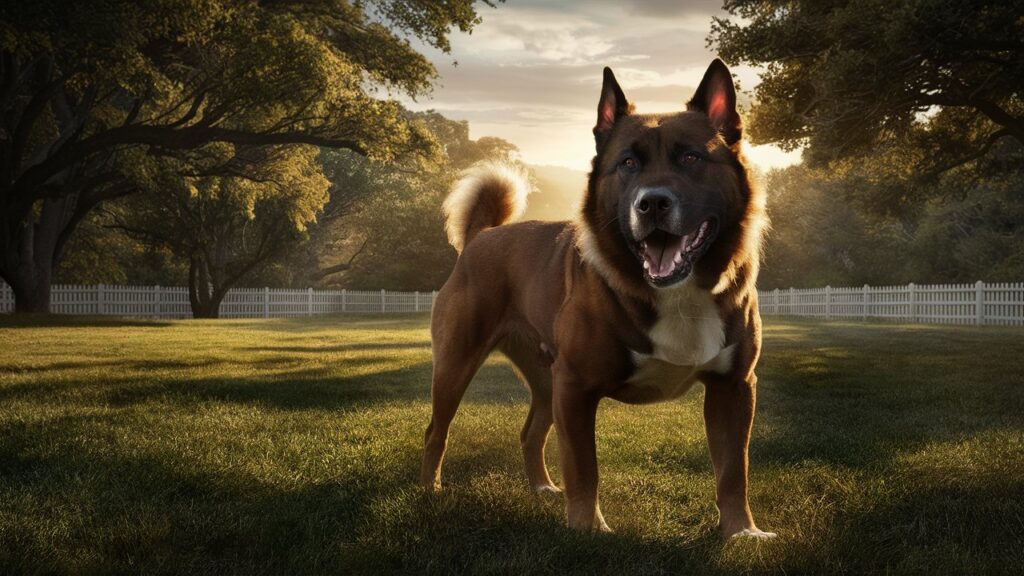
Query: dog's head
(668, 191)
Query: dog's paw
(431, 487)
(547, 490)
(754, 533)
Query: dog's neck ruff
(590, 252)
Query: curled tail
(488, 194)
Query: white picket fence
(977, 304)
(172, 302)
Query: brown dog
(650, 291)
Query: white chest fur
(688, 335)
(689, 330)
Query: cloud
(531, 71)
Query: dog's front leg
(575, 412)
(728, 417)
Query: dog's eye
(630, 164)
(688, 158)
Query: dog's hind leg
(536, 374)
(458, 353)
(450, 380)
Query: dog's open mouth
(668, 258)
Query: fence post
(979, 303)
(433, 298)
(157, 301)
(309, 302)
(913, 302)
(417, 301)
(864, 308)
(775, 302)
(792, 304)
(828, 302)
(344, 304)
(100, 297)
(382, 301)
(266, 302)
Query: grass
(292, 446)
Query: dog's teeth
(647, 265)
(678, 258)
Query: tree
(82, 84)
(397, 229)
(937, 80)
(827, 230)
(819, 237)
(226, 227)
(98, 254)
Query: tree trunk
(33, 298)
(31, 253)
(204, 298)
(208, 310)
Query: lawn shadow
(348, 320)
(336, 348)
(854, 394)
(161, 513)
(297, 388)
(77, 321)
(157, 513)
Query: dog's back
(510, 272)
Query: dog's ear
(610, 108)
(716, 97)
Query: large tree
(227, 227)
(941, 79)
(83, 85)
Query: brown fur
(568, 304)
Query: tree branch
(1013, 125)
(189, 137)
(979, 153)
(325, 272)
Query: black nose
(656, 200)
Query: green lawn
(292, 446)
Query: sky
(531, 71)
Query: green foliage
(379, 225)
(973, 232)
(845, 77)
(101, 255)
(225, 227)
(818, 239)
(397, 230)
(850, 226)
(89, 84)
(292, 446)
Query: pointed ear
(716, 97)
(610, 108)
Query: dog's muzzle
(667, 246)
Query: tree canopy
(83, 84)
(856, 78)
(334, 218)
(227, 226)
(826, 231)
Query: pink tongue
(660, 255)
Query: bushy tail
(488, 194)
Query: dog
(649, 291)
